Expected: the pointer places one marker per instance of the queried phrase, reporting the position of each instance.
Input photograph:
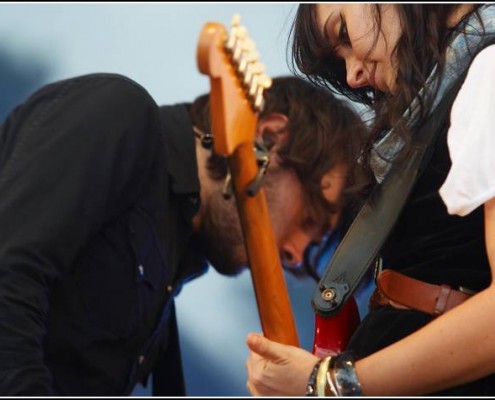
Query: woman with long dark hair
(430, 329)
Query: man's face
(221, 232)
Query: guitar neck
(266, 271)
(236, 96)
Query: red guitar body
(333, 334)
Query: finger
(258, 388)
(248, 364)
(266, 348)
(251, 389)
(253, 363)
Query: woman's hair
(422, 44)
(323, 131)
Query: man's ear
(272, 130)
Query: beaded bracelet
(344, 373)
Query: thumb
(266, 348)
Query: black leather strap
(364, 238)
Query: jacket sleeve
(73, 156)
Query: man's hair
(323, 131)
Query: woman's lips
(372, 76)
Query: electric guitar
(237, 81)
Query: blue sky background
(155, 44)
(151, 42)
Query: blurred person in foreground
(110, 203)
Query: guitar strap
(363, 240)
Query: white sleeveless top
(471, 139)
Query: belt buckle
(378, 268)
(466, 290)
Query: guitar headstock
(237, 81)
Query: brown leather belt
(400, 291)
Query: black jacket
(431, 245)
(98, 187)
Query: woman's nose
(356, 76)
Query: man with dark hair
(109, 204)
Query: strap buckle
(378, 268)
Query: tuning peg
(230, 42)
(232, 38)
(252, 84)
(228, 187)
(236, 20)
(237, 32)
(255, 185)
(249, 55)
(248, 45)
(241, 34)
(263, 82)
(251, 70)
(251, 79)
(246, 61)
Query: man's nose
(292, 251)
